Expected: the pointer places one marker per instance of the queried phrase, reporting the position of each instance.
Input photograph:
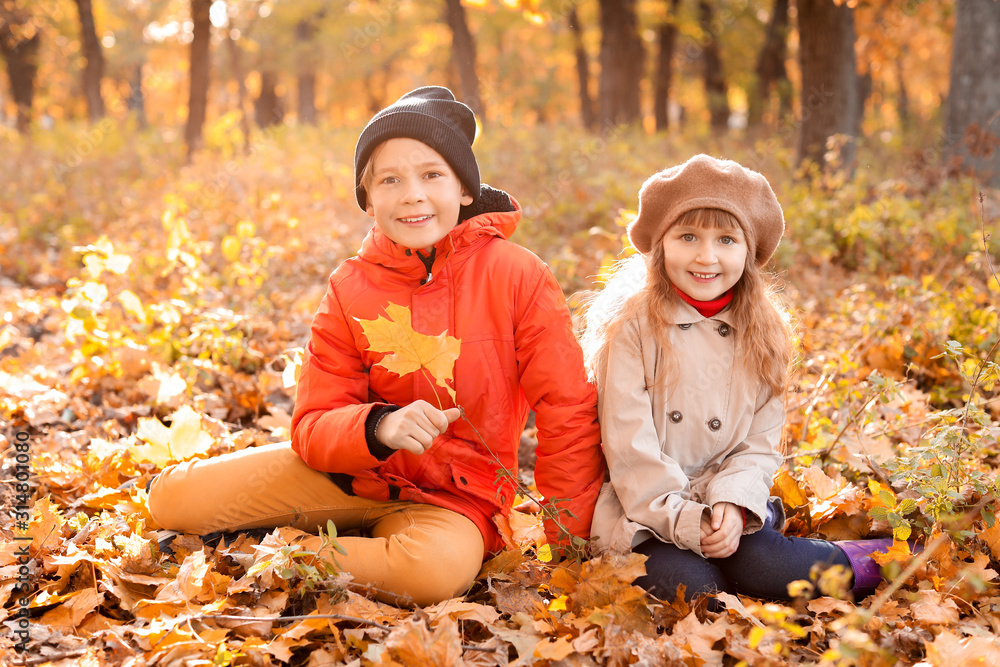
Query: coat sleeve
(653, 488)
(569, 465)
(331, 400)
(747, 473)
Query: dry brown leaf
(951, 650)
(554, 649)
(933, 608)
(74, 610)
(459, 610)
(45, 527)
(512, 598)
(412, 644)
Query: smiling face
(704, 253)
(413, 194)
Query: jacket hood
(494, 213)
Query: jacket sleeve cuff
(375, 415)
(687, 533)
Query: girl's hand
(724, 531)
(415, 426)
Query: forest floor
(156, 312)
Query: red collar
(708, 308)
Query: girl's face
(414, 195)
(704, 262)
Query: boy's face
(414, 195)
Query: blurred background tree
(817, 73)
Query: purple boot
(867, 573)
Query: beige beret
(706, 182)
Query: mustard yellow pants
(411, 554)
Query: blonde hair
(368, 171)
(639, 285)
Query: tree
(622, 61)
(587, 114)
(770, 70)
(715, 80)
(200, 72)
(463, 52)
(93, 71)
(19, 44)
(269, 107)
(972, 128)
(667, 38)
(830, 87)
(305, 33)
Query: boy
(388, 454)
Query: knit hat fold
(707, 182)
(433, 116)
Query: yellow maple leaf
(183, 440)
(408, 351)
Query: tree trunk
(771, 70)
(200, 67)
(136, 99)
(903, 101)
(582, 70)
(269, 107)
(622, 60)
(972, 126)
(829, 80)
(236, 71)
(93, 71)
(715, 80)
(19, 48)
(305, 31)
(463, 53)
(664, 67)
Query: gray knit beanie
(430, 115)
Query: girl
(691, 357)
(387, 454)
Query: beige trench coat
(671, 457)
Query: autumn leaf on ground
(899, 552)
(46, 527)
(183, 440)
(408, 351)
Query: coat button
(423, 281)
(685, 327)
(409, 252)
(724, 330)
(676, 416)
(463, 480)
(714, 424)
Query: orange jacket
(518, 350)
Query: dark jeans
(763, 566)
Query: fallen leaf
(183, 440)
(68, 615)
(412, 644)
(933, 608)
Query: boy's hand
(415, 426)
(720, 537)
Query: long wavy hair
(639, 284)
